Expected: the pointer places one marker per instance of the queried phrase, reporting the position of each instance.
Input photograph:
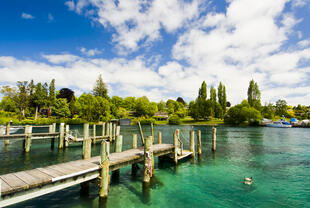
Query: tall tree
(39, 98)
(22, 98)
(224, 103)
(281, 107)
(52, 97)
(202, 94)
(213, 94)
(254, 95)
(100, 88)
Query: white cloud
(303, 43)
(139, 21)
(27, 16)
(90, 52)
(60, 58)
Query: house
(160, 115)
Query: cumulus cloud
(90, 52)
(27, 16)
(60, 58)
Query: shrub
(174, 120)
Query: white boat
(12, 130)
(280, 124)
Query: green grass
(190, 121)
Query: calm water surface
(277, 159)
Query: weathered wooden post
(103, 129)
(176, 148)
(51, 130)
(159, 137)
(199, 142)
(118, 130)
(141, 132)
(1, 133)
(214, 139)
(118, 148)
(104, 174)
(67, 136)
(192, 142)
(86, 142)
(0, 179)
(28, 131)
(54, 127)
(147, 174)
(111, 132)
(94, 134)
(108, 130)
(134, 166)
(7, 132)
(61, 135)
(114, 131)
(152, 129)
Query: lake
(277, 159)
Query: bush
(174, 120)
(147, 121)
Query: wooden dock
(24, 185)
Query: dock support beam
(94, 134)
(111, 132)
(134, 166)
(118, 148)
(103, 129)
(51, 129)
(159, 137)
(28, 131)
(86, 142)
(118, 130)
(61, 135)
(104, 174)
(176, 148)
(192, 143)
(213, 139)
(199, 142)
(114, 131)
(67, 136)
(7, 132)
(147, 173)
(141, 132)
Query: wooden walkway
(24, 185)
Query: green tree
(202, 94)
(51, 96)
(22, 98)
(100, 88)
(268, 111)
(8, 104)
(61, 108)
(39, 97)
(254, 95)
(213, 94)
(161, 106)
(129, 103)
(281, 108)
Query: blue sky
(161, 49)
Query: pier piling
(176, 148)
(147, 173)
(103, 129)
(51, 129)
(192, 142)
(214, 139)
(114, 131)
(86, 142)
(134, 166)
(94, 134)
(67, 136)
(159, 137)
(199, 142)
(152, 130)
(28, 131)
(104, 174)
(7, 132)
(111, 132)
(61, 135)
(118, 148)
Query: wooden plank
(40, 176)
(51, 172)
(63, 169)
(5, 188)
(28, 179)
(14, 182)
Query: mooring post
(192, 142)
(94, 134)
(86, 142)
(159, 137)
(104, 174)
(176, 148)
(114, 131)
(214, 139)
(103, 129)
(1, 130)
(141, 132)
(152, 129)
(134, 166)
(199, 142)
(147, 174)
(54, 127)
(51, 130)
(118, 148)
(67, 136)
(108, 130)
(28, 131)
(7, 132)
(61, 135)
(0, 179)
(111, 132)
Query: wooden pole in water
(103, 129)
(141, 133)
(104, 174)
(114, 131)
(118, 148)
(86, 142)
(28, 131)
(7, 132)
(67, 136)
(192, 142)
(51, 130)
(111, 132)
(1, 133)
(199, 142)
(94, 134)
(134, 166)
(159, 137)
(108, 130)
(213, 139)
(147, 173)
(54, 127)
(176, 148)
(0, 179)
(61, 135)
(118, 130)
(152, 129)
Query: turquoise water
(277, 159)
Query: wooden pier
(24, 185)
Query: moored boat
(280, 124)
